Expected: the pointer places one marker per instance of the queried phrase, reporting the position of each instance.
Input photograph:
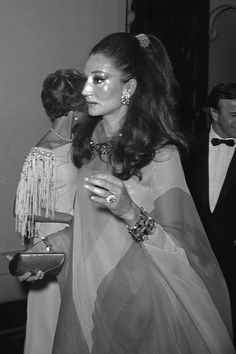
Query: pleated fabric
(167, 295)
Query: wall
(38, 37)
(222, 52)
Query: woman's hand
(28, 276)
(111, 193)
(31, 277)
(60, 240)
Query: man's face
(224, 118)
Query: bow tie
(216, 141)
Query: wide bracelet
(47, 243)
(143, 228)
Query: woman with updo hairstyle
(61, 93)
(45, 197)
(151, 124)
(142, 278)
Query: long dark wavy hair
(151, 119)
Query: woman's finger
(107, 178)
(99, 182)
(38, 276)
(102, 193)
(24, 277)
(102, 188)
(29, 277)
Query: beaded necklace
(68, 140)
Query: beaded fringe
(35, 190)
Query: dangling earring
(125, 97)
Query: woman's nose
(87, 89)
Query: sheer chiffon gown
(55, 169)
(164, 296)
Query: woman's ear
(130, 86)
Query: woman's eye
(98, 80)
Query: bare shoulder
(49, 141)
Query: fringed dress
(48, 180)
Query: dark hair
(61, 92)
(225, 91)
(152, 113)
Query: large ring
(111, 198)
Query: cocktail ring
(111, 198)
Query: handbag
(51, 263)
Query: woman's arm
(59, 217)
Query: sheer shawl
(167, 295)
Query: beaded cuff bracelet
(143, 228)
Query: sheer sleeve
(36, 190)
(180, 245)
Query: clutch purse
(51, 263)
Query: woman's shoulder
(166, 153)
(51, 142)
(59, 153)
(37, 160)
(166, 169)
(40, 151)
(164, 157)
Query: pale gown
(43, 301)
(164, 296)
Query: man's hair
(226, 91)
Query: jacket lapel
(203, 175)
(230, 179)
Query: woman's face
(103, 88)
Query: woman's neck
(62, 125)
(111, 125)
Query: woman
(45, 196)
(142, 276)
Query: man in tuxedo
(210, 170)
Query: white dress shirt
(218, 163)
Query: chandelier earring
(125, 97)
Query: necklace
(102, 148)
(68, 140)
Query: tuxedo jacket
(220, 225)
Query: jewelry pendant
(102, 148)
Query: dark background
(182, 26)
